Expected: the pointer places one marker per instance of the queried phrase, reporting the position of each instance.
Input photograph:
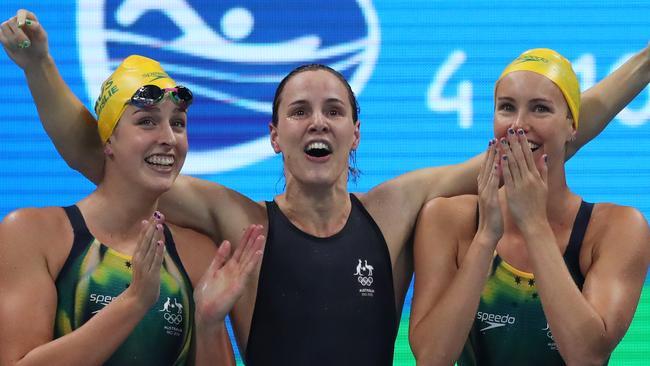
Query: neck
(319, 210)
(114, 211)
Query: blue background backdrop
(397, 53)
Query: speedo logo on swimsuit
(100, 299)
(495, 320)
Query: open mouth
(533, 145)
(160, 160)
(318, 149)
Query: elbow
(594, 355)
(427, 354)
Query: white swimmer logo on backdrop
(231, 54)
(364, 277)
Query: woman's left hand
(226, 278)
(525, 180)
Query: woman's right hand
(24, 39)
(146, 262)
(490, 224)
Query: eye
(178, 123)
(540, 108)
(146, 122)
(506, 107)
(297, 113)
(334, 112)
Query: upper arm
(602, 102)
(407, 194)
(436, 253)
(29, 299)
(615, 278)
(210, 208)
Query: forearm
(578, 330)
(66, 120)
(213, 347)
(602, 102)
(438, 338)
(94, 342)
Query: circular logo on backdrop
(232, 55)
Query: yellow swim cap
(555, 67)
(134, 72)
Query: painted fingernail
(545, 158)
(520, 131)
(157, 215)
(511, 131)
(503, 140)
(505, 157)
(24, 44)
(159, 227)
(28, 22)
(160, 243)
(490, 143)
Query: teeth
(318, 145)
(166, 160)
(533, 145)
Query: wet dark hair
(354, 171)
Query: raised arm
(66, 120)
(27, 268)
(602, 102)
(447, 293)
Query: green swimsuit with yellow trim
(94, 274)
(510, 327)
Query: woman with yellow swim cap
(529, 274)
(106, 281)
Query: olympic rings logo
(366, 281)
(173, 318)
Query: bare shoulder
(618, 229)
(32, 233)
(194, 249)
(458, 213)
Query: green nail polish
(28, 22)
(24, 44)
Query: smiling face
(529, 101)
(149, 145)
(315, 130)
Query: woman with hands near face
(561, 284)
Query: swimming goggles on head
(150, 95)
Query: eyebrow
(149, 109)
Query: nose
(319, 123)
(167, 135)
(520, 122)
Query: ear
(357, 135)
(273, 132)
(108, 151)
(571, 136)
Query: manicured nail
(520, 131)
(545, 158)
(511, 131)
(490, 143)
(505, 157)
(503, 140)
(28, 22)
(159, 227)
(24, 44)
(160, 243)
(156, 215)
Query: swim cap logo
(529, 59)
(232, 55)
